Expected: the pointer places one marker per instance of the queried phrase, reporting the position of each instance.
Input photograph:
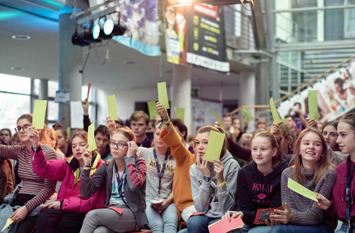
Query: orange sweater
(184, 160)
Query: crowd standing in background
(153, 175)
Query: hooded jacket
(210, 198)
(68, 171)
(256, 191)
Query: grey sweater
(210, 198)
(303, 209)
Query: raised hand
(132, 148)
(202, 165)
(33, 136)
(161, 111)
(87, 156)
(110, 124)
(85, 105)
(218, 168)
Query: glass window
(52, 111)
(12, 106)
(52, 88)
(17, 84)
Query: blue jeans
(162, 221)
(321, 228)
(199, 223)
(260, 229)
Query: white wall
(218, 93)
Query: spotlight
(119, 29)
(96, 31)
(108, 26)
(83, 36)
(78, 39)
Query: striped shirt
(32, 184)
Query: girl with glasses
(123, 179)
(34, 190)
(67, 212)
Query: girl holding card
(161, 210)
(259, 182)
(342, 206)
(124, 180)
(67, 212)
(312, 169)
(34, 190)
(213, 184)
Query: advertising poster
(141, 19)
(336, 95)
(195, 36)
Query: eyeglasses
(119, 145)
(24, 128)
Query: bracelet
(87, 165)
(222, 184)
(207, 179)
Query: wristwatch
(207, 179)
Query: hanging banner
(141, 19)
(195, 36)
(335, 95)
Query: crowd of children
(137, 180)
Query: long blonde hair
(324, 163)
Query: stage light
(108, 26)
(95, 31)
(78, 39)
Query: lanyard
(120, 183)
(349, 178)
(160, 173)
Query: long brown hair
(274, 144)
(324, 163)
(43, 136)
(208, 129)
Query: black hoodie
(256, 191)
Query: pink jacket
(67, 170)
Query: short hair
(180, 125)
(261, 121)
(227, 115)
(6, 129)
(339, 81)
(137, 115)
(103, 130)
(60, 127)
(119, 121)
(331, 123)
(288, 115)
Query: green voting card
(300, 189)
(152, 109)
(91, 137)
(274, 113)
(180, 113)
(214, 146)
(112, 109)
(247, 114)
(39, 112)
(220, 122)
(163, 95)
(313, 104)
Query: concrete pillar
(43, 89)
(247, 93)
(69, 64)
(180, 92)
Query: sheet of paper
(163, 95)
(152, 109)
(224, 225)
(214, 146)
(91, 137)
(112, 109)
(300, 189)
(39, 112)
(117, 209)
(76, 115)
(313, 104)
(7, 224)
(274, 113)
(247, 114)
(220, 122)
(180, 113)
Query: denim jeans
(162, 221)
(260, 229)
(199, 223)
(321, 228)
